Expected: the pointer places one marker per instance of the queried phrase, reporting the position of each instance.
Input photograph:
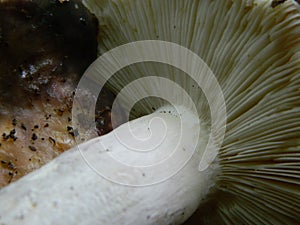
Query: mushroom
(249, 177)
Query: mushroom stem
(73, 189)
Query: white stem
(67, 191)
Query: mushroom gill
(252, 47)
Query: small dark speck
(69, 119)
(14, 122)
(52, 140)
(43, 139)
(46, 125)
(69, 128)
(12, 134)
(32, 148)
(143, 174)
(11, 165)
(82, 20)
(34, 137)
(174, 26)
(36, 126)
(5, 136)
(148, 217)
(3, 162)
(23, 126)
(153, 108)
(10, 173)
(74, 133)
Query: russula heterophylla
(253, 50)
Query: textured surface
(43, 54)
(68, 190)
(253, 49)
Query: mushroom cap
(253, 48)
